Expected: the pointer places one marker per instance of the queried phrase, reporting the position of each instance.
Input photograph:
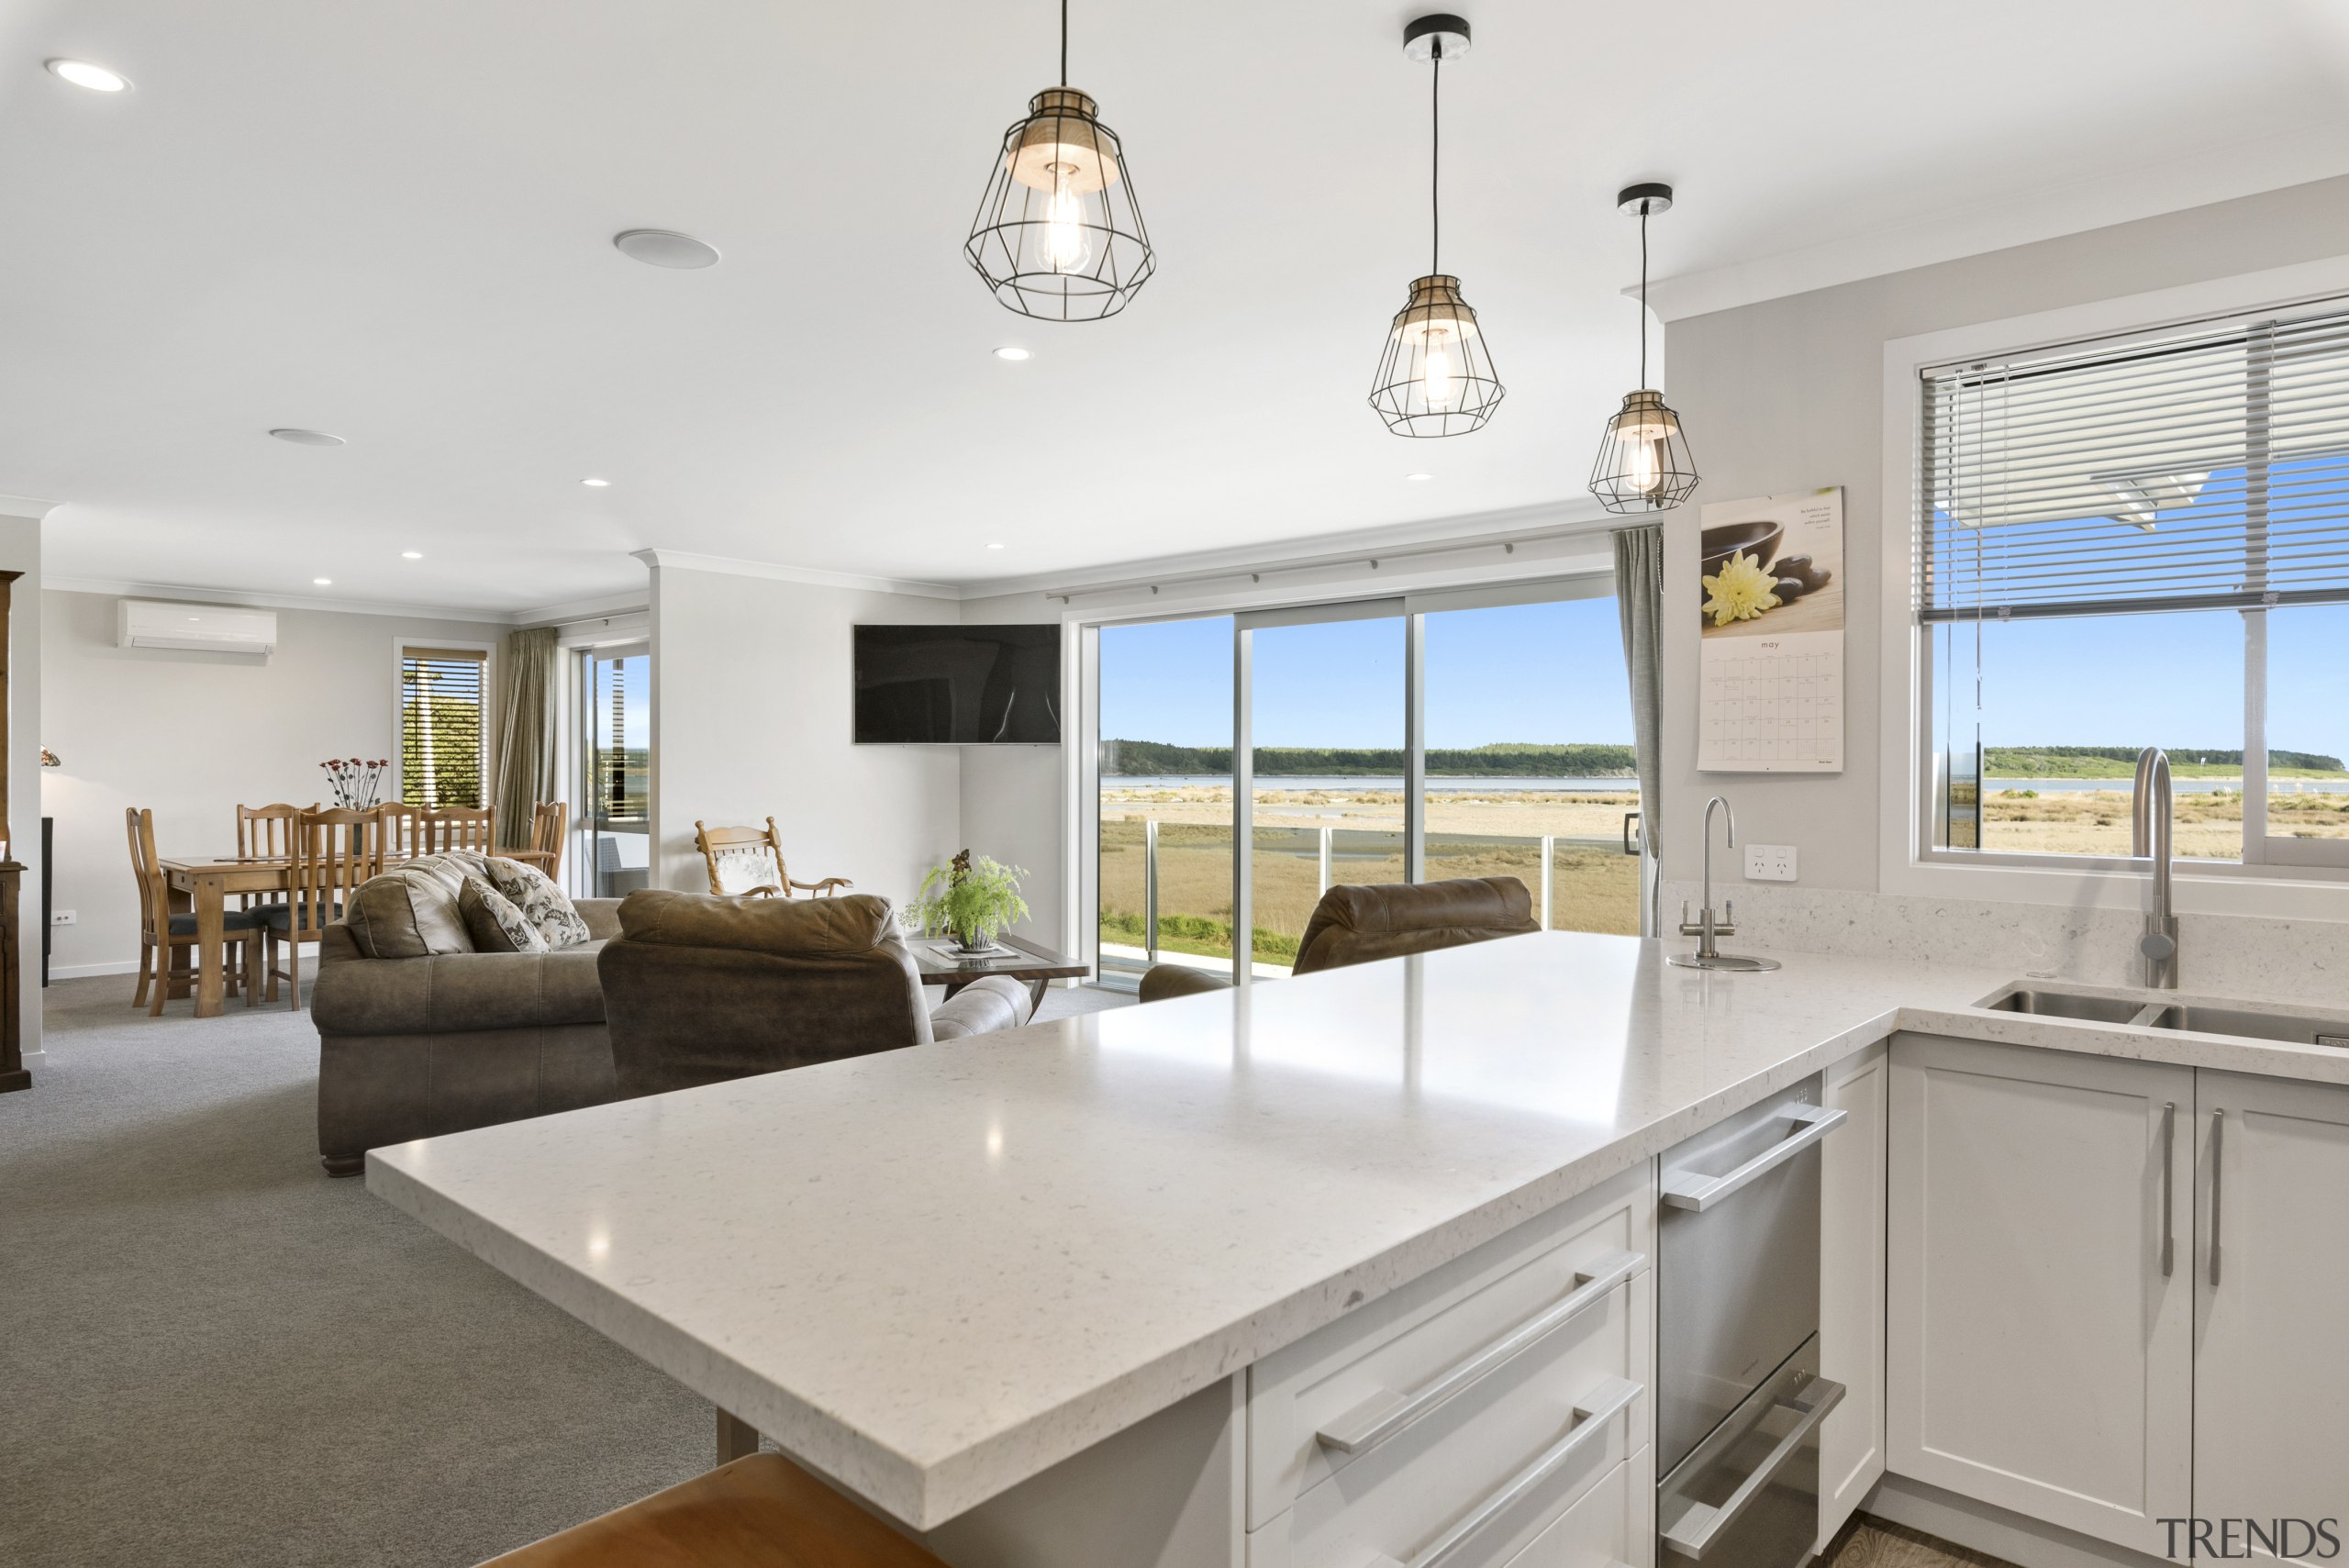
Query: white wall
(1787, 394)
(1012, 796)
(192, 736)
(751, 717)
(20, 551)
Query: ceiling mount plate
(666, 248)
(1423, 35)
(1643, 201)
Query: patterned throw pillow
(494, 923)
(542, 904)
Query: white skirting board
(86, 971)
(1995, 1531)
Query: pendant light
(1644, 463)
(1436, 377)
(1058, 236)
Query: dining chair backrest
(450, 828)
(266, 832)
(334, 852)
(403, 830)
(549, 824)
(154, 901)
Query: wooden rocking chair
(747, 862)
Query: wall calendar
(1771, 662)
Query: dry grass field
(2096, 822)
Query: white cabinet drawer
(1492, 1466)
(1610, 1527)
(1433, 1341)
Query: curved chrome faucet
(1706, 926)
(2150, 823)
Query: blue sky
(1548, 672)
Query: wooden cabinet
(2271, 1370)
(1851, 1286)
(2041, 1282)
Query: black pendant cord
(1063, 43)
(1643, 295)
(1435, 165)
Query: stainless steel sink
(2297, 1029)
(2079, 1004)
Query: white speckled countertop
(934, 1273)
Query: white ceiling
(392, 222)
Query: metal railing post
(1150, 887)
(1325, 862)
(1549, 860)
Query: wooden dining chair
(450, 828)
(403, 830)
(747, 862)
(334, 852)
(265, 833)
(167, 941)
(548, 822)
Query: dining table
(203, 885)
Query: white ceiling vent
(209, 628)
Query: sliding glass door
(612, 847)
(1391, 741)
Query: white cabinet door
(2039, 1358)
(2271, 1415)
(1851, 1285)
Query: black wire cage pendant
(1059, 235)
(1436, 377)
(1644, 459)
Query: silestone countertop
(934, 1273)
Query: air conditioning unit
(208, 628)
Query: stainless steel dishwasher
(1739, 1395)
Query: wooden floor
(1870, 1542)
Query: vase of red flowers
(358, 785)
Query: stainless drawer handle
(1592, 1412)
(1384, 1412)
(1687, 1189)
(1695, 1531)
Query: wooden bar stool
(761, 1511)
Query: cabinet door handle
(2218, 1168)
(1384, 1412)
(1592, 1412)
(1701, 1525)
(2169, 1187)
(1687, 1189)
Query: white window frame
(395, 784)
(1907, 863)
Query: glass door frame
(1413, 608)
(580, 854)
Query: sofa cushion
(542, 904)
(456, 993)
(800, 928)
(407, 912)
(493, 922)
(1362, 925)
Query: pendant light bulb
(1436, 377)
(1644, 462)
(1061, 242)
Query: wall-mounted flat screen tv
(958, 685)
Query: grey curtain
(526, 760)
(1638, 602)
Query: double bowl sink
(2248, 1020)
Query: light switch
(63, 917)
(1769, 862)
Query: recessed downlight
(994, 544)
(411, 555)
(305, 438)
(321, 582)
(1012, 351)
(1418, 478)
(81, 73)
(597, 484)
(666, 248)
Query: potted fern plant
(972, 899)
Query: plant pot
(971, 944)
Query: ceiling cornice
(182, 592)
(685, 560)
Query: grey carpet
(212, 1354)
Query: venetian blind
(440, 725)
(2207, 469)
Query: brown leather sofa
(1361, 924)
(419, 1034)
(700, 989)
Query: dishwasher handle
(1688, 1189)
(1693, 1533)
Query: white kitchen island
(948, 1277)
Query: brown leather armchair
(699, 989)
(1360, 925)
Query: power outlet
(63, 917)
(1769, 862)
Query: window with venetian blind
(2141, 541)
(442, 726)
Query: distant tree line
(1580, 760)
(2067, 762)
